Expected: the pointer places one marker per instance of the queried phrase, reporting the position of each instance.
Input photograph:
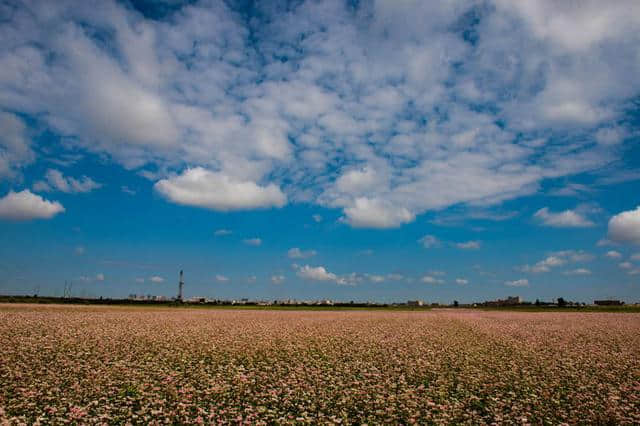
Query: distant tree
(537, 302)
(455, 303)
(562, 302)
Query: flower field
(150, 365)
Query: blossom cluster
(88, 365)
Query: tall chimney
(180, 285)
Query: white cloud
(140, 280)
(625, 265)
(222, 232)
(15, 149)
(216, 191)
(25, 205)
(296, 253)
(574, 255)
(522, 282)
(156, 279)
(221, 278)
(558, 258)
(320, 273)
(610, 135)
(57, 181)
(635, 256)
(429, 241)
(376, 278)
(625, 227)
(395, 277)
(317, 218)
(375, 213)
(100, 277)
(579, 271)
(462, 281)
(255, 242)
(316, 273)
(603, 242)
(549, 262)
(469, 245)
(564, 219)
(428, 279)
(384, 134)
(277, 279)
(127, 190)
(612, 254)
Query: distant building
(514, 300)
(509, 301)
(610, 302)
(415, 303)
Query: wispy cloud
(255, 242)
(469, 245)
(296, 253)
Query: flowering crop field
(161, 365)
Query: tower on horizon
(180, 285)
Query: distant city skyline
(321, 150)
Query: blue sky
(321, 149)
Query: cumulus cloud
(216, 191)
(612, 254)
(625, 265)
(316, 273)
(428, 279)
(558, 258)
(277, 279)
(316, 218)
(296, 253)
(25, 205)
(100, 277)
(222, 232)
(563, 219)
(255, 242)
(429, 241)
(384, 134)
(462, 281)
(56, 181)
(522, 282)
(221, 278)
(469, 245)
(625, 227)
(545, 265)
(320, 273)
(375, 213)
(376, 278)
(15, 147)
(156, 279)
